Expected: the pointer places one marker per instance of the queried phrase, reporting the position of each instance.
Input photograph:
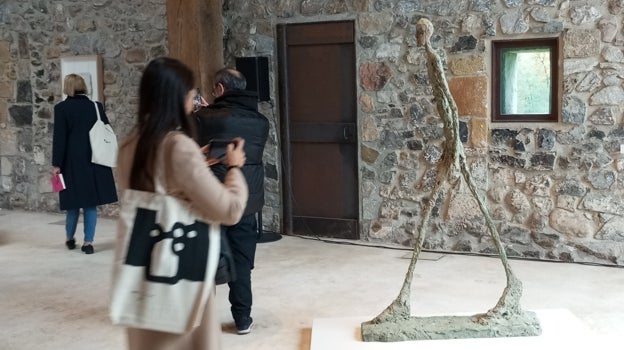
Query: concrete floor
(52, 298)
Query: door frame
(284, 112)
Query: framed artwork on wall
(89, 67)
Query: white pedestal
(560, 330)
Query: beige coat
(188, 177)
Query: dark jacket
(88, 184)
(235, 114)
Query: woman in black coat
(88, 184)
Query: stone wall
(555, 189)
(34, 34)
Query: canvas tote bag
(103, 142)
(165, 263)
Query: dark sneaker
(88, 249)
(244, 326)
(71, 244)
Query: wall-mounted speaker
(256, 71)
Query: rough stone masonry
(554, 189)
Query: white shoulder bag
(103, 142)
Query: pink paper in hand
(58, 183)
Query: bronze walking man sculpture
(506, 318)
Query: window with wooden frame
(526, 80)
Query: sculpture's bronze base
(453, 327)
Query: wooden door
(317, 83)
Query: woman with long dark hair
(162, 142)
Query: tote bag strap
(159, 172)
(97, 110)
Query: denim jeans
(90, 219)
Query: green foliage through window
(525, 80)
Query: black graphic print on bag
(186, 244)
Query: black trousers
(243, 238)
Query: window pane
(525, 81)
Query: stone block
(380, 229)
(603, 202)
(616, 7)
(369, 129)
(465, 43)
(514, 22)
(23, 45)
(546, 139)
(543, 161)
(39, 155)
(44, 185)
(369, 155)
(509, 161)
(6, 166)
(24, 91)
(375, 23)
(584, 14)
(136, 56)
(612, 230)
(374, 75)
(5, 51)
(470, 94)
(463, 206)
(6, 184)
(463, 131)
(22, 115)
(53, 52)
(387, 50)
(85, 25)
(567, 202)
(542, 14)
(581, 43)
(479, 132)
(4, 113)
(366, 103)
(467, 66)
(10, 71)
(8, 142)
(572, 224)
(7, 89)
(504, 137)
(361, 5)
(368, 42)
(610, 95)
(415, 145)
(602, 179)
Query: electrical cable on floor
(445, 252)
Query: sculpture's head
(424, 29)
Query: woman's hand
(56, 170)
(235, 155)
(203, 102)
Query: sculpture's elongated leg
(400, 307)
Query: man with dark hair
(234, 113)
